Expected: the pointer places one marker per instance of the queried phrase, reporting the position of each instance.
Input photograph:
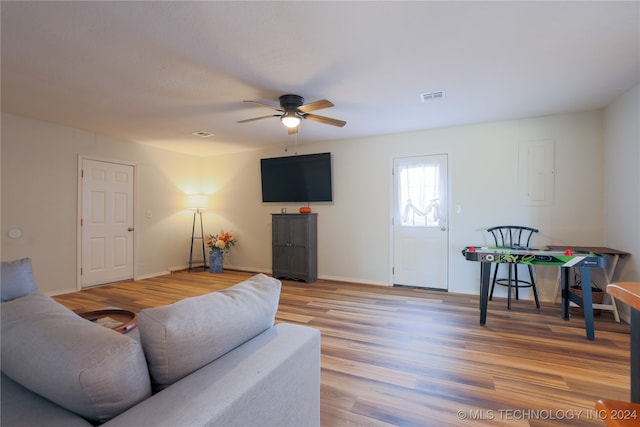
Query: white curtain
(420, 194)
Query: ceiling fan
(294, 110)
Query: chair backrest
(512, 236)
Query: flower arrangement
(223, 240)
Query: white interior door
(420, 232)
(106, 223)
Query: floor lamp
(198, 203)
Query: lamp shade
(197, 201)
(290, 119)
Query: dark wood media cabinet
(295, 246)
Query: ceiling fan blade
(325, 120)
(262, 104)
(317, 105)
(291, 131)
(258, 118)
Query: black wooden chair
(514, 237)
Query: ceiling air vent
(431, 96)
(203, 134)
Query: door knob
(130, 229)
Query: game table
(566, 260)
(614, 256)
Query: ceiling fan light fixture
(290, 119)
(294, 109)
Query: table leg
(587, 301)
(635, 355)
(564, 278)
(608, 275)
(485, 270)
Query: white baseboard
(149, 276)
(61, 292)
(248, 269)
(353, 280)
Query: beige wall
(622, 182)
(355, 230)
(39, 192)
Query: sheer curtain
(419, 194)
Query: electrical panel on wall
(536, 172)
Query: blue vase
(216, 258)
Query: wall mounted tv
(304, 178)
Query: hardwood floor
(409, 357)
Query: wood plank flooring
(410, 357)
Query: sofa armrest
(271, 380)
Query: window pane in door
(419, 195)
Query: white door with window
(106, 222)
(420, 232)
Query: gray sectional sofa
(212, 360)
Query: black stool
(513, 237)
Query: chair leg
(510, 284)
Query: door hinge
(81, 222)
(81, 271)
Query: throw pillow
(182, 337)
(86, 368)
(17, 279)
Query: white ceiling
(154, 72)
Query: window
(419, 195)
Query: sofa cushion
(182, 337)
(86, 368)
(21, 407)
(17, 279)
(272, 380)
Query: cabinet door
(281, 230)
(299, 231)
(294, 247)
(299, 261)
(280, 261)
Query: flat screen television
(304, 178)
